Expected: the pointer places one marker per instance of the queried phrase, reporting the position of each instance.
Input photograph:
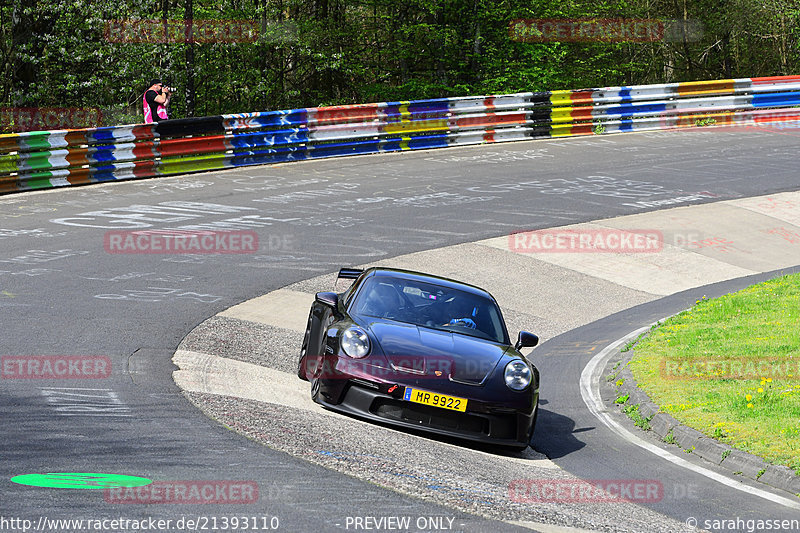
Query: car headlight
(355, 342)
(518, 375)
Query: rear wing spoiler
(349, 273)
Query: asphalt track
(239, 368)
(61, 293)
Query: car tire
(301, 364)
(315, 386)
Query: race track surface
(62, 293)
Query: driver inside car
(461, 312)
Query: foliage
(633, 412)
(321, 52)
(700, 122)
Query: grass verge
(730, 368)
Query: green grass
(633, 412)
(700, 122)
(730, 368)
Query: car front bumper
(482, 422)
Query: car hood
(418, 351)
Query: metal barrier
(45, 159)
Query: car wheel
(301, 364)
(315, 384)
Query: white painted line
(590, 392)
(283, 308)
(672, 269)
(212, 374)
(549, 528)
(74, 388)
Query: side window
(347, 295)
(380, 298)
(495, 323)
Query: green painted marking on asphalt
(80, 480)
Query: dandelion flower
(749, 405)
(748, 397)
(760, 389)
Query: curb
(670, 430)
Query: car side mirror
(526, 340)
(331, 299)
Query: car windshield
(431, 306)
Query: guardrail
(44, 159)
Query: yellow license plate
(436, 400)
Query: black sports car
(423, 352)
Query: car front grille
(433, 417)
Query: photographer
(155, 102)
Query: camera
(168, 88)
